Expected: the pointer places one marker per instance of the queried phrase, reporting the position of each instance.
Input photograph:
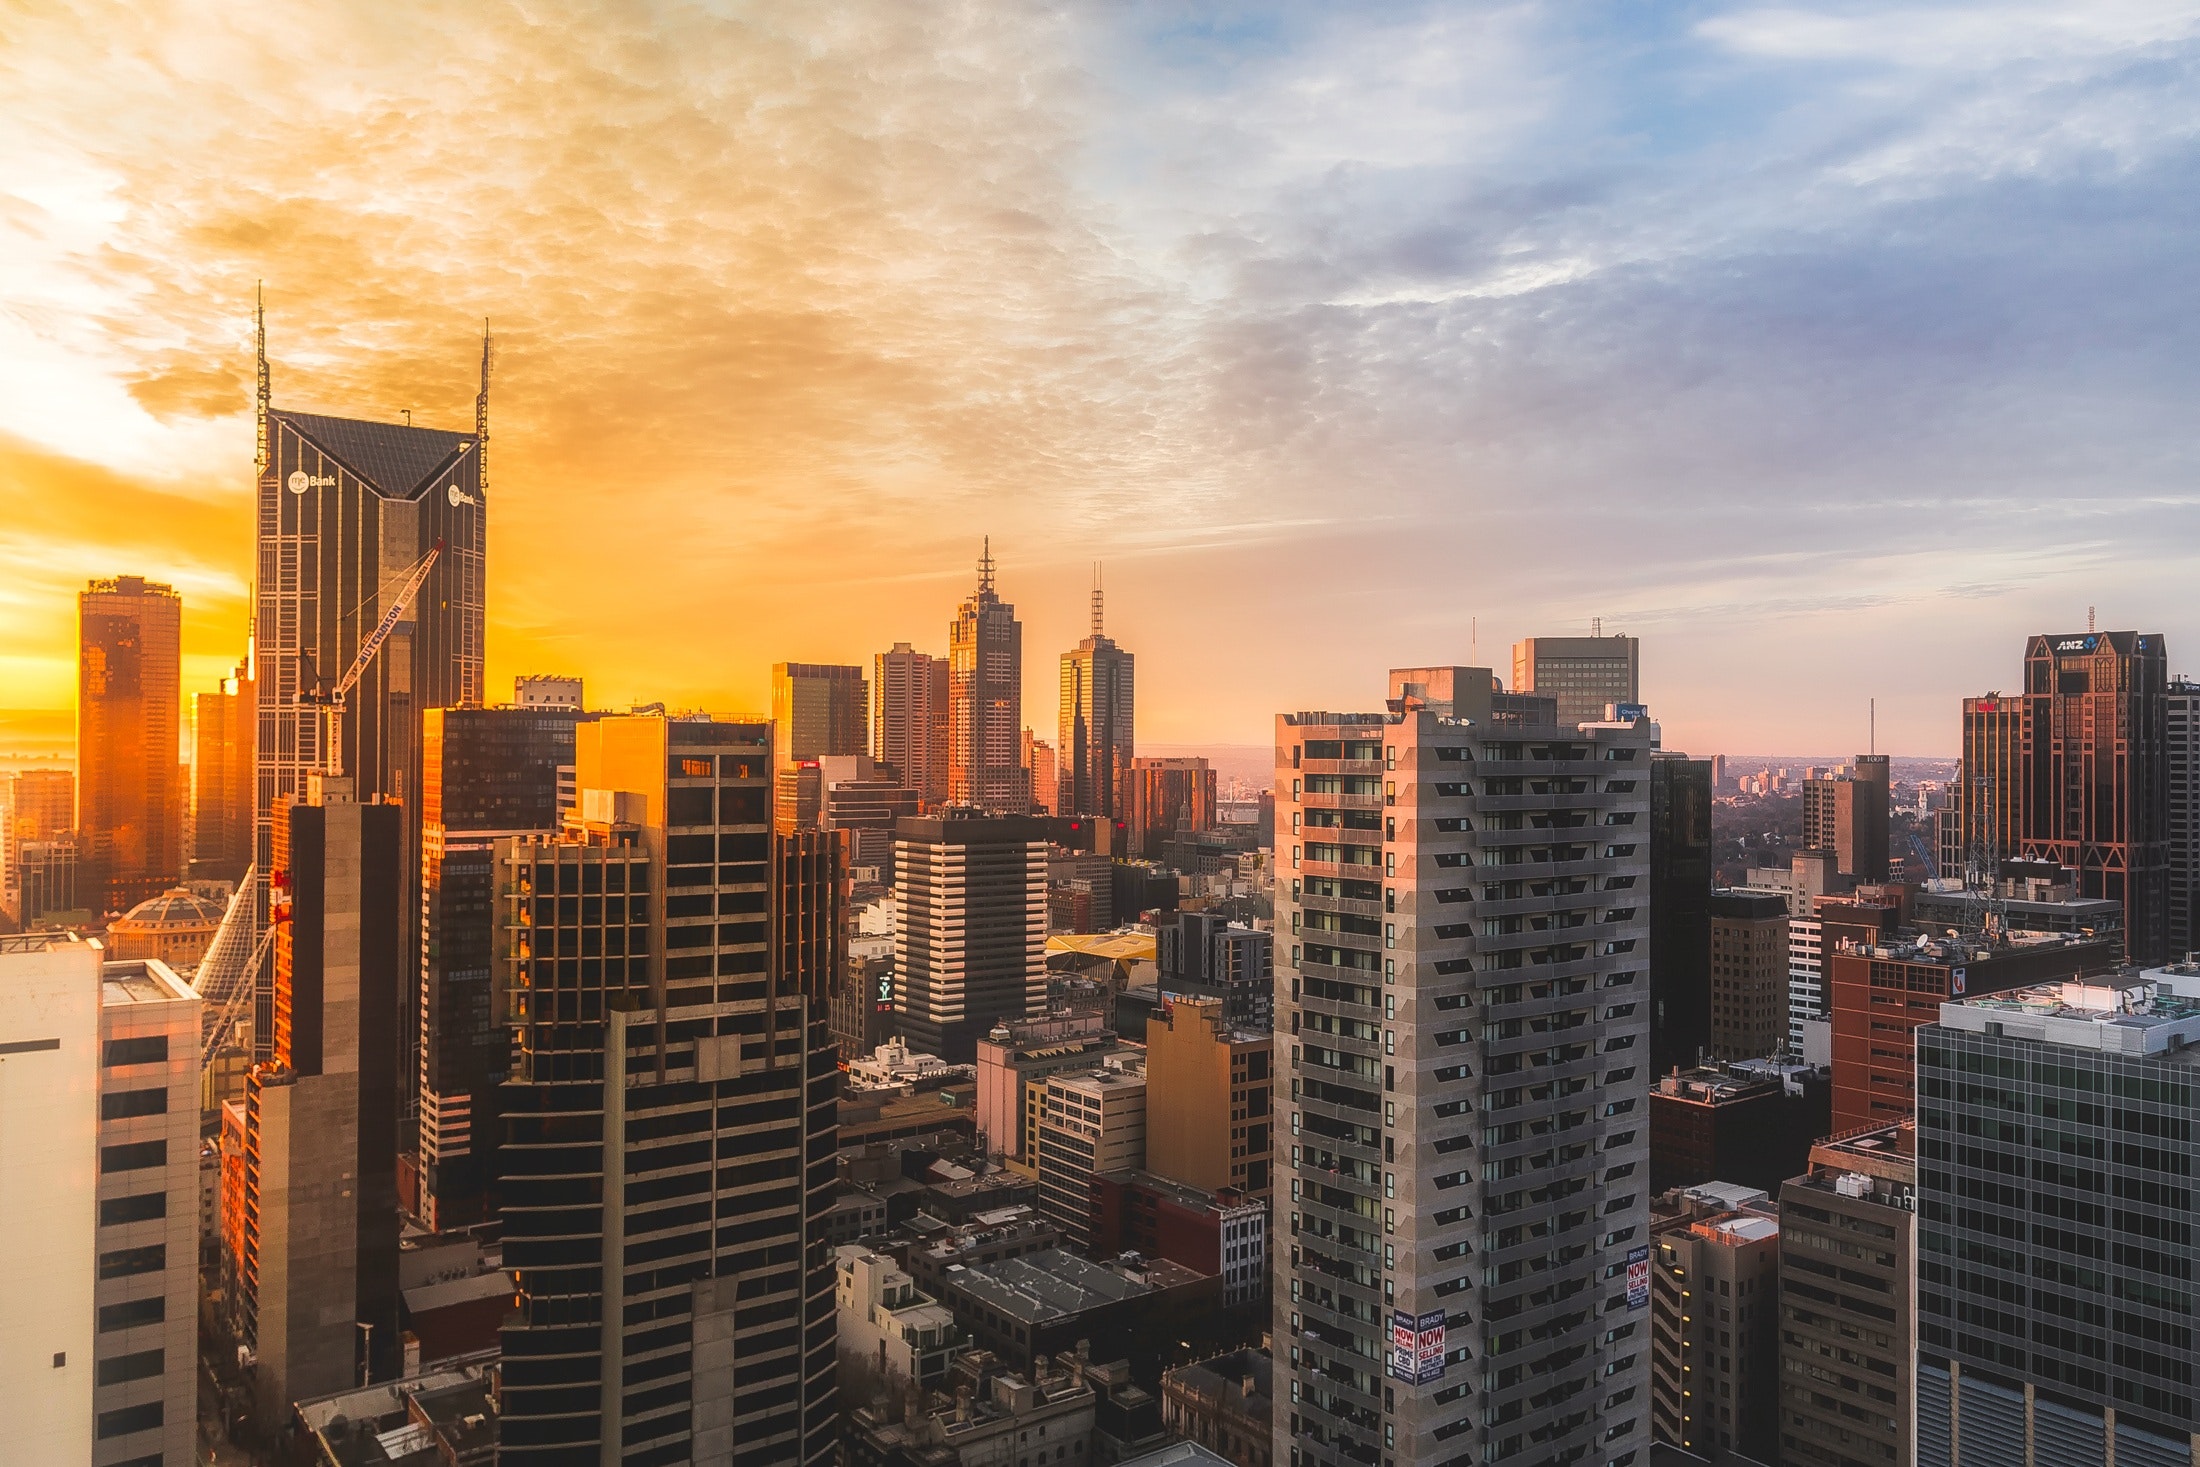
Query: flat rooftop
(2153, 1012)
(1051, 1284)
(141, 981)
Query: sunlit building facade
(129, 784)
(985, 720)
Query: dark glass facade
(1680, 911)
(670, 1121)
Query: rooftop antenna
(2089, 621)
(985, 568)
(1096, 598)
(261, 457)
(1596, 626)
(1875, 726)
(469, 565)
(408, 412)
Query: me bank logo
(300, 481)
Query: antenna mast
(1096, 598)
(985, 568)
(262, 456)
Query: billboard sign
(1638, 1278)
(1417, 1346)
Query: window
(142, 1208)
(130, 1419)
(131, 1313)
(133, 1156)
(151, 1049)
(124, 1263)
(143, 1365)
(118, 1105)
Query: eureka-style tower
(985, 682)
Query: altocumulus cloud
(1810, 341)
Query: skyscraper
(818, 711)
(670, 1112)
(2076, 770)
(2054, 1317)
(129, 697)
(320, 1237)
(41, 809)
(1847, 814)
(1168, 793)
(1680, 913)
(487, 773)
(1583, 673)
(222, 783)
(909, 731)
(985, 719)
(1466, 1121)
(970, 934)
(2182, 735)
(1098, 717)
(1045, 780)
(346, 509)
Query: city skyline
(1736, 284)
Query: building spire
(985, 568)
(262, 455)
(1096, 599)
(481, 411)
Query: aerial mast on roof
(261, 455)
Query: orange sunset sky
(1830, 358)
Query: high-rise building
(1205, 955)
(50, 890)
(1212, 1082)
(670, 1114)
(1585, 674)
(1715, 1323)
(1848, 1242)
(129, 817)
(320, 1234)
(1467, 970)
(41, 808)
(970, 938)
(1099, 702)
(1039, 762)
(2054, 1321)
(1681, 871)
(145, 1398)
(818, 710)
(1847, 814)
(1168, 795)
(1749, 974)
(2181, 720)
(346, 510)
(222, 782)
(909, 729)
(486, 773)
(51, 1204)
(985, 703)
(2076, 771)
(1883, 989)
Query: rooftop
(1050, 1285)
(174, 908)
(2154, 1012)
(1710, 1085)
(146, 980)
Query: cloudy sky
(1829, 348)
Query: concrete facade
(1463, 886)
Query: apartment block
(1213, 1082)
(1715, 1322)
(1090, 1122)
(1463, 884)
(1749, 974)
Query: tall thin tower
(1097, 721)
(985, 766)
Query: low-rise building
(1014, 1060)
(1045, 1303)
(1732, 1123)
(1222, 1232)
(1715, 1322)
(443, 1418)
(987, 1415)
(1224, 1405)
(1848, 1238)
(889, 1331)
(942, 1247)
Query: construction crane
(225, 978)
(331, 698)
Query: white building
(145, 1405)
(886, 1326)
(1090, 1121)
(49, 1191)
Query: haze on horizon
(1829, 348)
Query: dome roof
(175, 907)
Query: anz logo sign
(2077, 644)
